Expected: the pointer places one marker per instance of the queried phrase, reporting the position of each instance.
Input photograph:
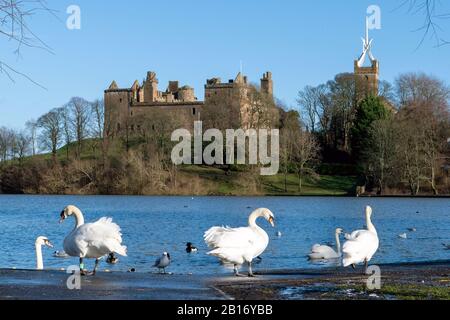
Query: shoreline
(236, 196)
(413, 280)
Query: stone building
(127, 109)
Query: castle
(125, 108)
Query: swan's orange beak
(49, 244)
(272, 222)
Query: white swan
(361, 244)
(240, 245)
(92, 240)
(322, 252)
(41, 241)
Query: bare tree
(98, 118)
(23, 142)
(32, 126)
(51, 131)
(80, 117)
(381, 154)
(66, 127)
(306, 153)
(309, 101)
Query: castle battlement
(125, 106)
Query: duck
(323, 252)
(403, 236)
(91, 240)
(237, 246)
(60, 254)
(38, 244)
(361, 245)
(163, 262)
(112, 259)
(190, 248)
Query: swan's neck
(253, 217)
(79, 219)
(39, 261)
(338, 244)
(370, 225)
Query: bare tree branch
(433, 16)
(14, 27)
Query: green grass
(412, 292)
(322, 186)
(231, 184)
(408, 291)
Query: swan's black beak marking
(62, 217)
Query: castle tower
(367, 77)
(267, 83)
(151, 87)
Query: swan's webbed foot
(84, 273)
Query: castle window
(131, 113)
(132, 127)
(120, 100)
(118, 127)
(193, 111)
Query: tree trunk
(300, 180)
(433, 181)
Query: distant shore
(425, 280)
(445, 196)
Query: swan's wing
(362, 247)
(353, 235)
(103, 236)
(323, 252)
(224, 237)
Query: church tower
(367, 77)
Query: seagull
(403, 236)
(279, 234)
(412, 229)
(190, 248)
(163, 262)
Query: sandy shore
(399, 281)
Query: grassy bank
(88, 176)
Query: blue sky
(301, 42)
